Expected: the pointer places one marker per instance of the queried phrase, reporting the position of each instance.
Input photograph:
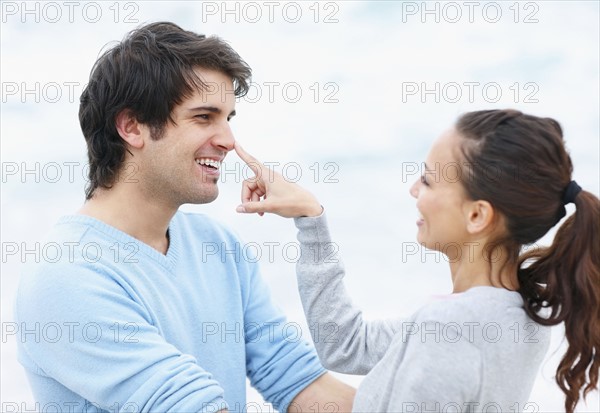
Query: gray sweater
(468, 352)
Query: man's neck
(142, 218)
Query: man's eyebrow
(211, 109)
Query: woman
(479, 349)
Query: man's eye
(205, 117)
(424, 180)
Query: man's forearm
(325, 394)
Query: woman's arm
(344, 340)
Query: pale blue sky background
(369, 132)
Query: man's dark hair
(148, 73)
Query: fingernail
(240, 208)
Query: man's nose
(224, 137)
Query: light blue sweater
(108, 321)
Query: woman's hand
(268, 191)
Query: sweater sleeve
(107, 349)
(279, 361)
(345, 342)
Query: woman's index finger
(254, 164)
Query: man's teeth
(209, 162)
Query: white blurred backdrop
(346, 99)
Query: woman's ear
(479, 216)
(129, 129)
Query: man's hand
(279, 196)
(325, 394)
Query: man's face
(183, 166)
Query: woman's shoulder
(476, 304)
(483, 315)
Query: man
(140, 319)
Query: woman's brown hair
(520, 165)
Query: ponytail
(565, 278)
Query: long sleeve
(279, 362)
(345, 342)
(145, 331)
(101, 344)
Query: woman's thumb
(252, 207)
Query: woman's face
(441, 199)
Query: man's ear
(129, 129)
(479, 216)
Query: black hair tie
(570, 193)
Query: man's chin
(205, 198)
